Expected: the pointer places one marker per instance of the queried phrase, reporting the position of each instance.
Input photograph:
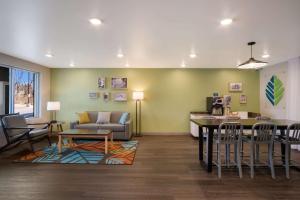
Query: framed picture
(243, 99)
(101, 82)
(93, 95)
(235, 87)
(119, 83)
(120, 96)
(106, 96)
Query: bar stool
(262, 133)
(229, 133)
(292, 137)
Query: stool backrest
(293, 133)
(233, 131)
(263, 132)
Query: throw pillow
(83, 118)
(103, 117)
(123, 118)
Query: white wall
(44, 78)
(266, 108)
(289, 107)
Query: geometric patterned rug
(85, 152)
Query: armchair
(16, 131)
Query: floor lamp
(53, 106)
(138, 96)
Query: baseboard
(165, 133)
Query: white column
(293, 92)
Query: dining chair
(231, 118)
(232, 135)
(262, 133)
(292, 137)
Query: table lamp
(53, 106)
(138, 96)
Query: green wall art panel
(274, 90)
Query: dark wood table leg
(200, 143)
(282, 133)
(61, 129)
(210, 149)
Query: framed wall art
(93, 95)
(243, 99)
(101, 82)
(119, 83)
(106, 96)
(235, 87)
(120, 96)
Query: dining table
(213, 124)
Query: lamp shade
(138, 95)
(53, 105)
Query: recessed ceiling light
(72, 64)
(225, 22)
(193, 55)
(183, 64)
(120, 54)
(95, 21)
(48, 55)
(265, 55)
(127, 64)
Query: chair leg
(287, 161)
(257, 153)
(219, 160)
(49, 141)
(238, 159)
(252, 160)
(236, 148)
(31, 145)
(227, 152)
(271, 161)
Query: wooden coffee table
(84, 133)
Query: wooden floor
(166, 167)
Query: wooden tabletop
(85, 132)
(247, 123)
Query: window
(24, 94)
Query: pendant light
(252, 63)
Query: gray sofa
(120, 131)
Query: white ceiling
(151, 33)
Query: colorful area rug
(85, 152)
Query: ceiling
(151, 33)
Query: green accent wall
(170, 94)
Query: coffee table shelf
(83, 134)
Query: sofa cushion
(103, 117)
(123, 118)
(87, 126)
(93, 116)
(83, 118)
(113, 127)
(115, 116)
